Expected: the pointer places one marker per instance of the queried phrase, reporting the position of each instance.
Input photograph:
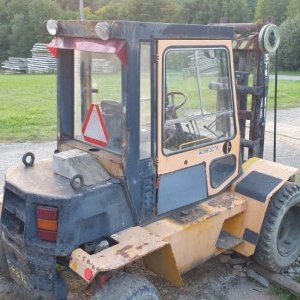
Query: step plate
(227, 241)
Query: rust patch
(189, 216)
(123, 251)
(141, 246)
(221, 202)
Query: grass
(288, 94)
(292, 73)
(28, 103)
(282, 294)
(27, 107)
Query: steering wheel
(171, 104)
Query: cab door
(198, 141)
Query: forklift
(159, 158)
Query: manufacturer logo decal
(208, 150)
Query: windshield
(97, 99)
(198, 101)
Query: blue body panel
(181, 188)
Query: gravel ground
(211, 280)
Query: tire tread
(263, 253)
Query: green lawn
(288, 94)
(28, 104)
(292, 73)
(27, 107)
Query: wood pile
(42, 61)
(15, 65)
(101, 65)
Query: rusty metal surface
(133, 243)
(41, 180)
(199, 228)
(245, 43)
(227, 241)
(241, 27)
(157, 242)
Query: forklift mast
(251, 64)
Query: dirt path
(211, 280)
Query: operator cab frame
(142, 119)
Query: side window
(145, 101)
(198, 105)
(98, 80)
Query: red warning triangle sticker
(93, 129)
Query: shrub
(289, 51)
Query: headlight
(103, 30)
(52, 27)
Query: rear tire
(127, 287)
(3, 262)
(279, 243)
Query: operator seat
(112, 113)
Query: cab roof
(132, 30)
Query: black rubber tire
(279, 243)
(127, 287)
(3, 262)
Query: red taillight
(47, 223)
(88, 274)
(47, 213)
(47, 235)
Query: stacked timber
(201, 62)
(42, 61)
(15, 65)
(101, 65)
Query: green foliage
(273, 8)
(40, 11)
(289, 51)
(207, 11)
(141, 10)
(22, 24)
(293, 8)
(252, 6)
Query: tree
(252, 6)
(21, 38)
(39, 11)
(207, 11)
(22, 24)
(141, 10)
(289, 51)
(273, 8)
(293, 8)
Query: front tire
(127, 287)
(279, 243)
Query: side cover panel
(181, 188)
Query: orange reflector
(47, 225)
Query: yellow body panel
(193, 236)
(256, 210)
(174, 245)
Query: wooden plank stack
(15, 65)
(42, 61)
